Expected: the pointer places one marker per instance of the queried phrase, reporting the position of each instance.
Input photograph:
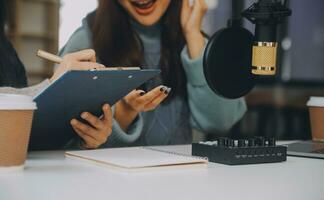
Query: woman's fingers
(185, 12)
(199, 9)
(186, 4)
(93, 120)
(204, 4)
(186, 8)
(139, 101)
(81, 60)
(131, 101)
(85, 65)
(89, 142)
(84, 128)
(194, 17)
(150, 96)
(84, 55)
(107, 115)
(99, 128)
(133, 95)
(98, 136)
(191, 21)
(157, 101)
(151, 99)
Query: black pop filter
(227, 62)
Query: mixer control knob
(251, 142)
(241, 143)
(231, 143)
(272, 142)
(260, 141)
(223, 142)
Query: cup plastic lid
(16, 102)
(316, 101)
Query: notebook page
(135, 157)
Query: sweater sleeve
(30, 91)
(120, 138)
(209, 112)
(81, 39)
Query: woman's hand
(81, 60)
(138, 101)
(98, 131)
(191, 21)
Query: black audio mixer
(242, 151)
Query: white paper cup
(316, 114)
(16, 114)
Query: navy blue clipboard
(74, 93)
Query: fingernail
(142, 93)
(168, 91)
(163, 89)
(84, 115)
(106, 107)
(73, 122)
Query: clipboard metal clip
(117, 69)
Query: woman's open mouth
(144, 7)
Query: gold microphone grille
(264, 58)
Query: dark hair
(117, 44)
(12, 71)
(2, 16)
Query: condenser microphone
(232, 51)
(266, 15)
(264, 50)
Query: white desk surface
(48, 175)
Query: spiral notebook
(135, 158)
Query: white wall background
(71, 14)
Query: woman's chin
(147, 21)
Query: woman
(13, 75)
(12, 71)
(166, 35)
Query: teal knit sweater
(169, 123)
